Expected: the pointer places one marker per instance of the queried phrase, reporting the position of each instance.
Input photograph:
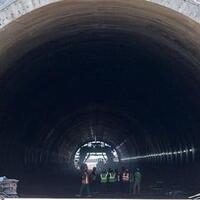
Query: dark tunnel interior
(129, 70)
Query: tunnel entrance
(128, 69)
(96, 154)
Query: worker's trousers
(83, 187)
(136, 188)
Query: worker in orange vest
(85, 181)
(125, 180)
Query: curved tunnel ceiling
(129, 69)
(11, 10)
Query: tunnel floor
(69, 186)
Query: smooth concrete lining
(12, 9)
(68, 23)
(36, 27)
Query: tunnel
(127, 70)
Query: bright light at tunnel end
(94, 153)
(154, 155)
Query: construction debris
(8, 187)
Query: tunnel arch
(170, 34)
(13, 9)
(129, 67)
(100, 151)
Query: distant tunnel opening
(129, 69)
(96, 154)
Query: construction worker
(118, 176)
(131, 181)
(104, 180)
(85, 181)
(126, 176)
(93, 180)
(108, 185)
(103, 177)
(118, 180)
(137, 181)
(125, 180)
(112, 176)
(112, 180)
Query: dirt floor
(69, 188)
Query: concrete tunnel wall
(12, 9)
(47, 107)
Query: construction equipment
(8, 187)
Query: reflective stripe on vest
(103, 178)
(125, 176)
(112, 178)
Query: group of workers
(110, 181)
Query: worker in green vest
(112, 177)
(112, 180)
(103, 177)
(104, 181)
(137, 181)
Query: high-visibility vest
(137, 177)
(112, 178)
(85, 178)
(103, 177)
(125, 177)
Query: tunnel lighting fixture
(196, 196)
(154, 155)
